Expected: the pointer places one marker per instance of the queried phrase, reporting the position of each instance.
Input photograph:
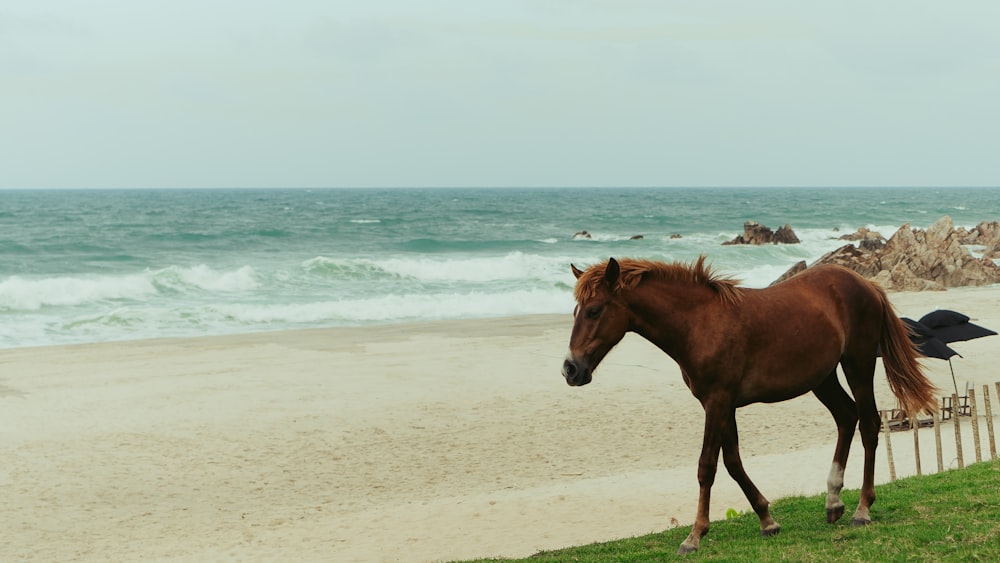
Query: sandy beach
(400, 443)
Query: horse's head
(601, 319)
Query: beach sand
(402, 443)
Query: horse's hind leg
(731, 457)
(845, 413)
(861, 382)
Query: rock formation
(867, 238)
(785, 235)
(917, 260)
(755, 233)
(984, 234)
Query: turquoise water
(102, 265)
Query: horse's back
(799, 330)
(825, 273)
(856, 303)
(840, 284)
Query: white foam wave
(512, 266)
(19, 293)
(26, 294)
(207, 278)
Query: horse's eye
(593, 312)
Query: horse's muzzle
(576, 374)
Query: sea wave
(325, 267)
(204, 277)
(19, 293)
(448, 269)
(510, 266)
(26, 294)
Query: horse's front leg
(731, 457)
(716, 420)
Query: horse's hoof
(771, 530)
(860, 521)
(834, 514)
(685, 549)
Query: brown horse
(737, 346)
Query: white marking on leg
(834, 483)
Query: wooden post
(989, 421)
(975, 425)
(937, 440)
(916, 442)
(958, 430)
(888, 447)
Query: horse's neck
(668, 314)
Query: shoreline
(419, 442)
(453, 326)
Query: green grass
(949, 516)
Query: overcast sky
(289, 93)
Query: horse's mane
(634, 271)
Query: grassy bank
(950, 516)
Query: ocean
(80, 266)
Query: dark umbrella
(928, 344)
(951, 326)
(937, 328)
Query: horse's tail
(899, 355)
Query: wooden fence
(961, 411)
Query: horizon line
(505, 187)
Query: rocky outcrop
(993, 252)
(785, 235)
(986, 235)
(755, 233)
(917, 260)
(913, 257)
(867, 239)
(863, 233)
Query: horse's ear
(611, 273)
(576, 271)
